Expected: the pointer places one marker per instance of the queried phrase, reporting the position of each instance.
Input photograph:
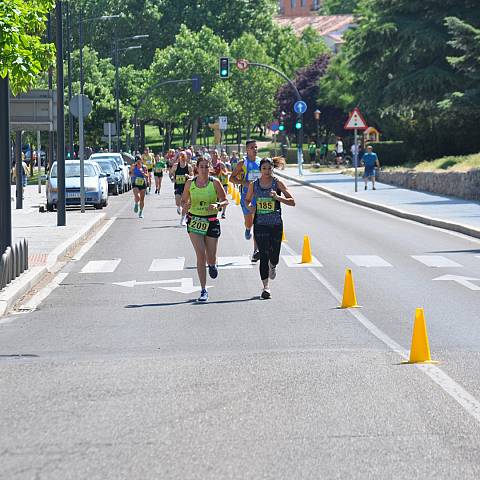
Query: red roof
(323, 24)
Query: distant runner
(139, 174)
(179, 174)
(158, 169)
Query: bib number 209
(198, 225)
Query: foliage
(393, 152)
(23, 55)
(338, 7)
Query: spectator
(312, 151)
(339, 151)
(370, 161)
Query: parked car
(96, 188)
(128, 159)
(118, 159)
(113, 172)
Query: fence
(13, 262)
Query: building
(294, 8)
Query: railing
(13, 262)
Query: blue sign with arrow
(300, 107)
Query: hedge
(393, 153)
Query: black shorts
(178, 189)
(158, 174)
(213, 227)
(140, 187)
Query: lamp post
(117, 85)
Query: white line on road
(455, 390)
(93, 240)
(436, 261)
(368, 261)
(167, 264)
(295, 261)
(101, 266)
(465, 281)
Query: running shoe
(223, 216)
(272, 271)
(365, 187)
(183, 221)
(203, 295)
(213, 271)
(135, 208)
(255, 256)
(248, 234)
(140, 215)
(179, 210)
(265, 295)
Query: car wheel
(98, 206)
(115, 190)
(49, 207)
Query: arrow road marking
(465, 281)
(186, 287)
(134, 283)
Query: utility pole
(5, 189)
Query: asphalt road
(105, 380)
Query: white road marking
(39, 297)
(446, 383)
(187, 287)
(93, 240)
(134, 283)
(167, 264)
(436, 261)
(225, 263)
(295, 261)
(465, 281)
(368, 261)
(101, 266)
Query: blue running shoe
(203, 295)
(213, 271)
(248, 234)
(135, 208)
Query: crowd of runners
(201, 181)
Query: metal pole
(5, 188)
(19, 169)
(71, 119)
(117, 97)
(80, 41)
(81, 154)
(39, 162)
(355, 159)
(109, 136)
(300, 148)
(61, 220)
(50, 86)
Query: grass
(460, 163)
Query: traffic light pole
(299, 117)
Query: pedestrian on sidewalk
(370, 161)
(312, 151)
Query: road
(111, 378)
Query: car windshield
(104, 159)
(106, 167)
(73, 170)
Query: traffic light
(224, 67)
(196, 83)
(281, 127)
(298, 124)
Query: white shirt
(339, 147)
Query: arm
(377, 162)
(234, 177)
(287, 199)
(221, 197)
(186, 200)
(249, 198)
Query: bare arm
(222, 198)
(235, 177)
(287, 199)
(186, 200)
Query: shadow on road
(191, 301)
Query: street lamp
(117, 85)
(317, 114)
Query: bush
(393, 153)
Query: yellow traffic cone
(229, 189)
(284, 238)
(349, 298)
(306, 251)
(237, 197)
(420, 350)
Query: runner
(247, 171)
(179, 174)
(220, 171)
(158, 169)
(204, 196)
(268, 224)
(139, 174)
(148, 160)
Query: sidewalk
(451, 213)
(47, 243)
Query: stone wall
(456, 184)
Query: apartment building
(298, 8)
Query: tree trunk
(193, 140)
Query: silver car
(118, 159)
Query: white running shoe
(183, 221)
(179, 210)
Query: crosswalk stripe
(226, 263)
(368, 261)
(167, 264)
(101, 266)
(435, 261)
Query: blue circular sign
(300, 107)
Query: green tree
(338, 7)
(23, 57)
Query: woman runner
(204, 196)
(267, 222)
(139, 174)
(179, 174)
(158, 172)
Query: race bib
(139, 181)
(198, 225)
(180, 179)
(253, 175)
(265, 205)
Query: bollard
(26, 253)
(3, 271)
(16, 261)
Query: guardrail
(13, 262)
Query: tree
(338, 7)
(23, 55)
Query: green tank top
(159, 166)
(201, 198)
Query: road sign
(109, 129)
(355, 121)
(74, 104)
(34, 111)
(274, 127)
(222, 123)
(300, 107)
(242, 64)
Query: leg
(275, 244)
(142, 198)
(262, 238)
(211, 250)
(199, 244)
(373, 181)
(136, 194)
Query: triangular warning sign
(355, 121)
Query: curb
(25, 282)
(433, 222)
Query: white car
(118, 159)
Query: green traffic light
(281, 128)
(224, 73)
(298, 125)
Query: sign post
(222, 124)
(274, 127)
(355, 122)
(300, 107)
